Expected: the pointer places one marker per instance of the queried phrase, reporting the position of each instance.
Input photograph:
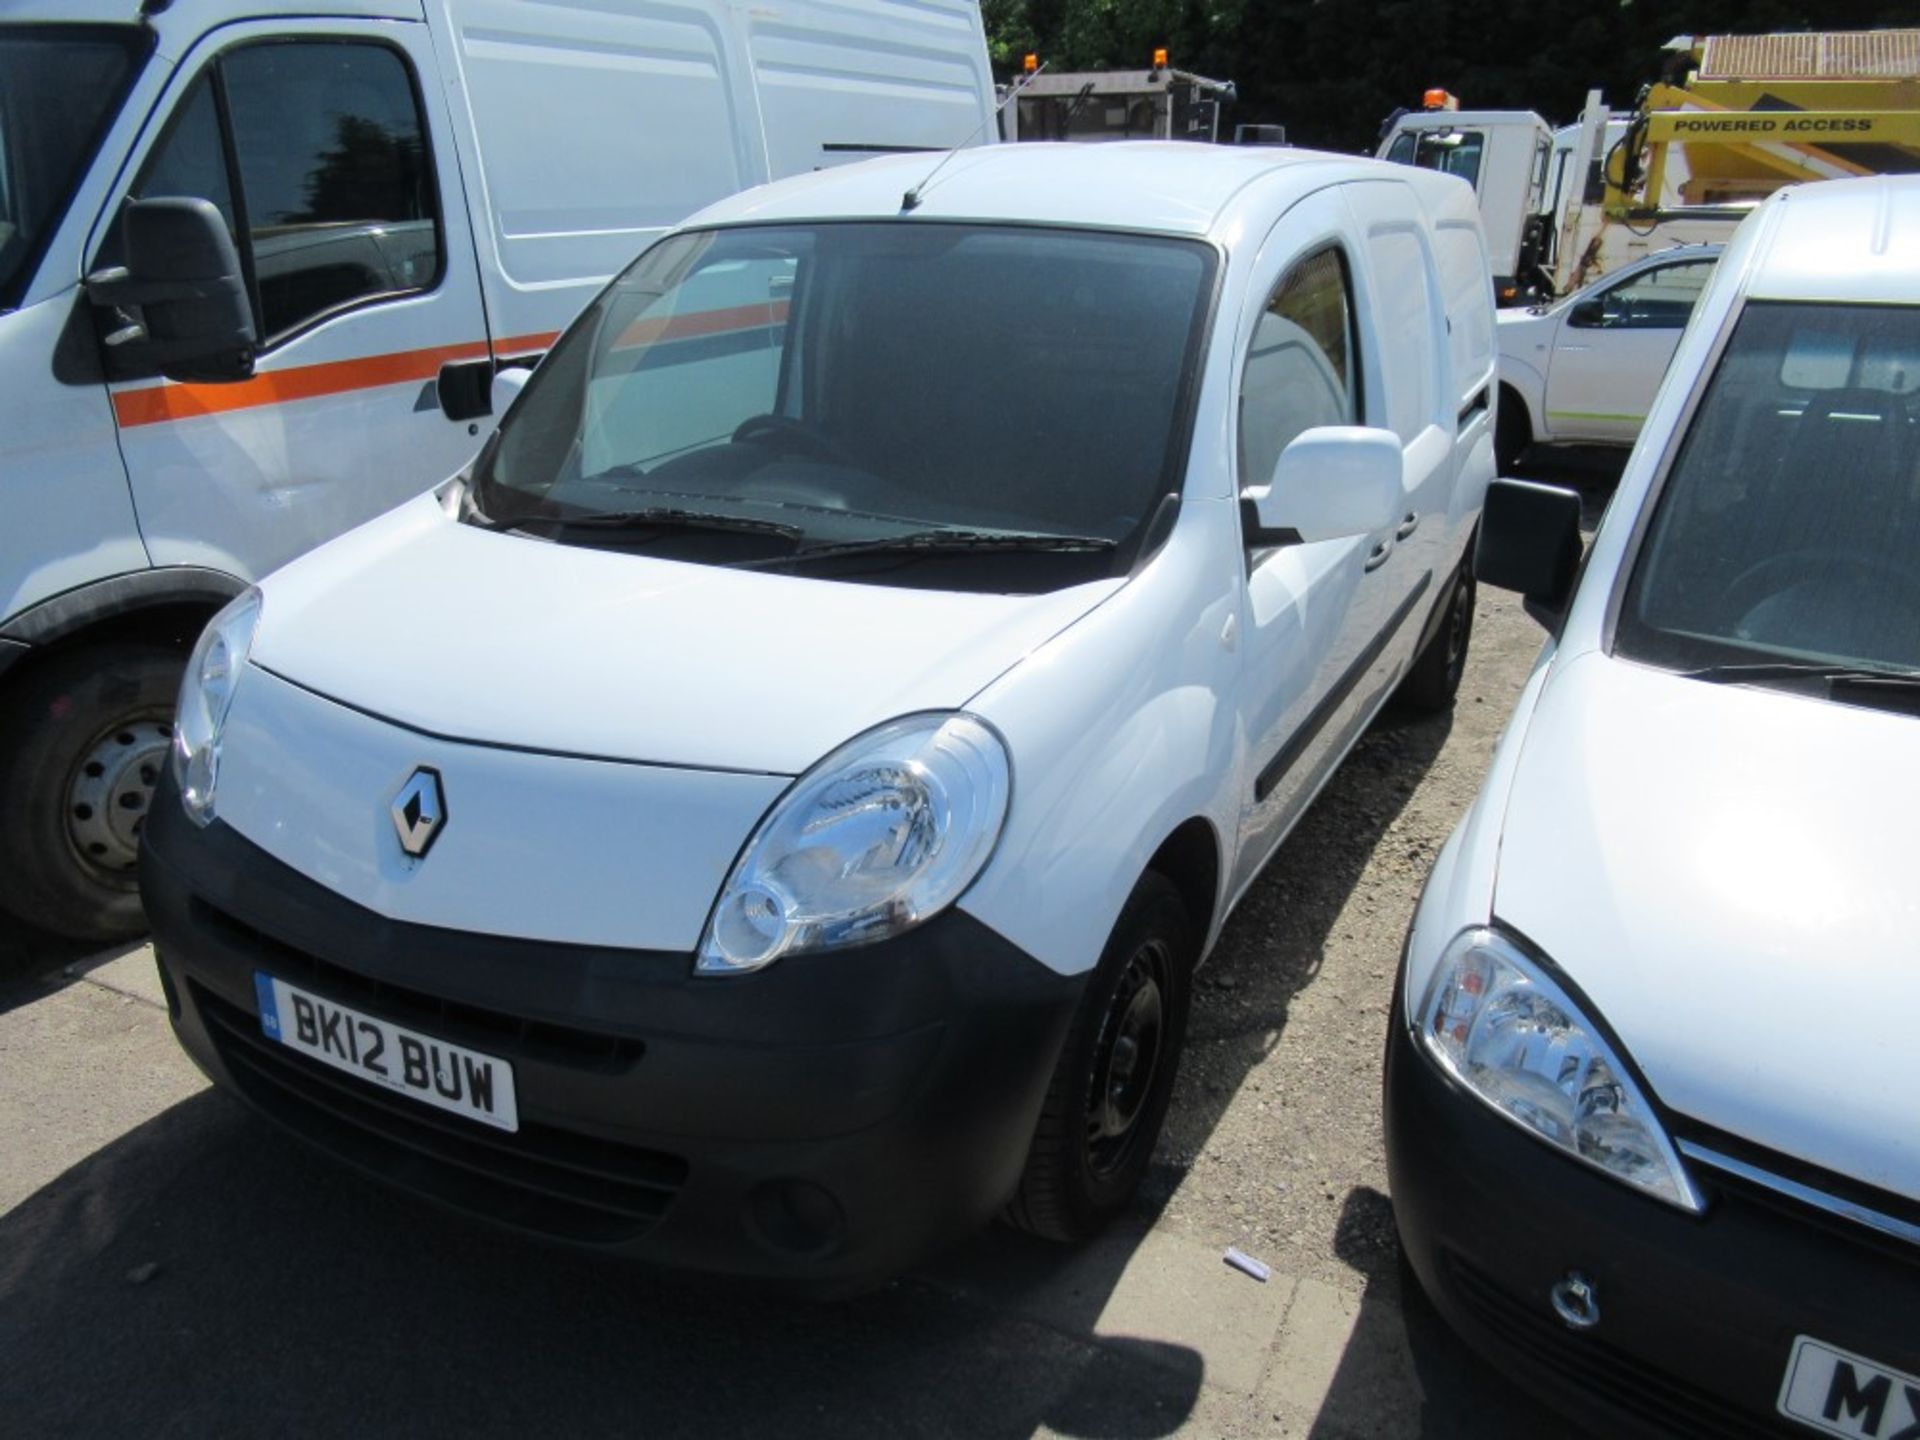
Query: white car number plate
(1846, 1394)
(450, 1077)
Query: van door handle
(1408, 525)
(1380, 555)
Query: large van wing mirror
(179, 306)
(1330, 483)
(1530, 541)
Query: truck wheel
(1114, 1079)
(1512, 434)
(83, 741)
(1434, 677)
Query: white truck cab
(765, 813)
(257, 270)
(1504, 155)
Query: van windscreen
(852, 385)
(60, 86)
(1786, 531)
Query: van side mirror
(1530, 541)
(179, 305)
(1589, 315)
(1331, 482)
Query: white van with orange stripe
(258, 272)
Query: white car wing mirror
(507, 383)
(1330, 483)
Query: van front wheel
(83, 741)
(1434, 677)
(1114, 1078)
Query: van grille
(551, 1181)
(1663, 1401)
(478, 1028)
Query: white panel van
(257, 272)
(764, 815)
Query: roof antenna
(910, 201)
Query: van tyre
(83, 739)
(1512, 433)
(1434, 678)
(1114, 1079)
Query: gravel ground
(1274, 1140)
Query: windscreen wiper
(655, 518)
(1862, 685)
(933, 542)
(1735, 672)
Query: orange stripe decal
(157, 403)
(702, 322)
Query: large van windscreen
(1787, 531)
(59, 88)
(963, 390)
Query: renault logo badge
(420, 812)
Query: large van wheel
(83, 741)
(1434, 677)
(1114, 1078)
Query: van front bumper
(829, 1120)
(1697, 1314)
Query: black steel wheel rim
(1127, 1059)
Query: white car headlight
(206, 694)
(1497, 1022)
(884, 833)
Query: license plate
(1846, 1394)
(449, 1077)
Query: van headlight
(206, 694)
(1498, 1023)
(884, 833)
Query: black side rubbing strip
(1275, 769)
(855, 147)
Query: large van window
(332, 156)
(189, 160)
(60, 87)
(937, 405)
(1299, 371)
(1788, 526)
(336, 203)
(1451, 152)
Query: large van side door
(327, 148)
(1309, 611)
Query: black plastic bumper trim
(1698, 1314)
(664, 1114)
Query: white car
(1583, 369)
(1651, 1085)
(764, 817)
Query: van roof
(127, 12)
(1840, 240)
(1175, 186)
